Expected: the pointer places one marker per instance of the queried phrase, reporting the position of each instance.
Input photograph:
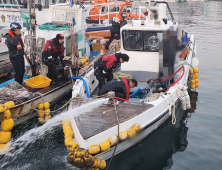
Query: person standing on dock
(15, 46)
(115, 28)
(104, 67)
(120, 86)
(53, 49)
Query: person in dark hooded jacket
(53, 49)
(115, 29)
(120, 86)
(104, 67)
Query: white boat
(23, 111)
(141, 40)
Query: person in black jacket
(104, 67)
(115, 29)
(120, 86)
(15, 45)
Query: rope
(169, 107)
(118, 134)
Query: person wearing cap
(15, 46)
(104, 67)
(54, 48)
(115, 28)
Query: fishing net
(54, 27)
(25, 18)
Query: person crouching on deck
(53, 49)
(120, 86)
(15, 46)
(104, 67)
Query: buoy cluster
(95, 149)
(193, 101)
(194, 82)
(83, 61)
(79, 157)
(44, 112)
(184, 96)
(6, 126)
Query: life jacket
(111, 61)
(19, 45)
(127, 90)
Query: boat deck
(94, 122)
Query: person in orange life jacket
(15, 45)
(120, 86)
(104, 66)
(115, 28)
(53, 49)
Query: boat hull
(24, 111)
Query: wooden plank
(94, 122)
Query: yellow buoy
(7, 125)
(131, 132)
(3, 108)
(5, 148)
(137, 127)
(196, 75)
(80, 152)
(196, 85)
(40, 106)
(96, 163)
(10, 104)
(41, 114)
(48, 117)
(68, 140)
(104, 146)
(46, 105)
(7, 114)
(197, 80)
(102, 164)
(71, 158)
(196, 70)
(191, 71)
(113, 140)
(66, 130)
(94, 149)
(69, 134)
(72, 146)
(47, 112)
(123, 135)
(192, 86)
(78, 162)
(41, 119)
(192, 81)
(89, 160)
(5, 137)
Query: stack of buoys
(193, 101)
(44, 112)
(79, 157)
(83, 61)
(6, 126)
(194, 82)
(95, 149)
(184, 96)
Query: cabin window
(132, 40)
(127, 8)
(103, 9)
(113, 9)
(152, 40)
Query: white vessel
(143, 41)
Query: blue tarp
(9, 81)
(185, 39)
(97, 29)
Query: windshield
(113, 9)
(134, 40)
(127, 8)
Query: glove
(66, 67)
